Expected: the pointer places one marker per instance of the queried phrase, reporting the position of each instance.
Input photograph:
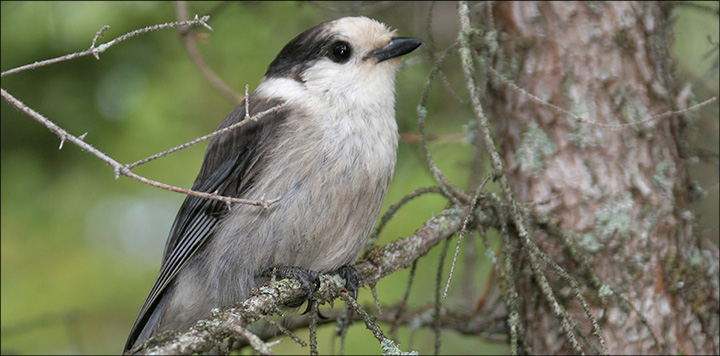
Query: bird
(328, 151)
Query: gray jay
(329, 153)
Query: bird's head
(348, 54)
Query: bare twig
(514, 322)
(344, 321)
(393, 209)
(431, 44)
(97, 37)
(369, 322)
(414, 138)
(583, 120)
(244, 122)
(463, 231)
(574, 285)
(403, 303)
(95, 51)
(119, 168)
(453, 193)
(189, 41)
(597, 283)
(438, 301)
(283, 329)
(313, 327)
(255, 342)
(458, 319)
(375, 298)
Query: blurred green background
(81, 249)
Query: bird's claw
(351, 277)
(309, 281)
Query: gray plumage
(329, 153)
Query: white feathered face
(348, 53)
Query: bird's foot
(351, 277)
(309, 281)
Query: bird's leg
(351, 277)
(309, 281)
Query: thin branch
(235, 126)
(453, 193)
(189, 41)
(369, 322)
(313, 327)
(255, 342)
(511, 296)
(283, 329)
(463, 231)
(431, 44)
(583, 120)
(438, 304)
(489, 283)
(393, 209)
(373, 290)
(414, 138)
(95, 51)
(460, 319)
(574, 285)
(643, 320)
(344, 321)
(403, 303)
(401, 254)
(119, 168)
(99, 34)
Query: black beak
(397, 47)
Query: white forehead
(362, 31)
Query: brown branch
(415, 139)
(119, 168)
(403, 303)
(394, 209)
(255, 342)
(189, 41)
(456, 195)
(95, 51)
(248, 119)
(463, 231)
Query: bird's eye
(341, 52)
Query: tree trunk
(622, 194)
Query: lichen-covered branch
(208, 336)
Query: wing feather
(229, 168)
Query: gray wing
(229, 168)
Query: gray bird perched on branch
(329, 152)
